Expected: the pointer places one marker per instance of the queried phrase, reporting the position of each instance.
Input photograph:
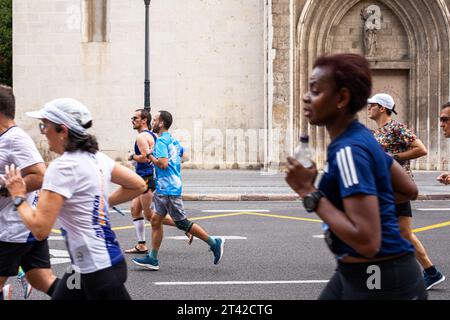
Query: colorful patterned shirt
(396, 137)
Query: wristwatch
(311, 201)
(396, 157)
(131, 157)
(18, 200)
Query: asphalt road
(273, 251)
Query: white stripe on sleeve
(346, 167)
(352, 165)
(341, 169)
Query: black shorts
(150, 182)
(106, 284)
(403, 209)
(29, 256)
(397, 279)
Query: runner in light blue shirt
(167, 198)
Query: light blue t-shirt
(168, 181)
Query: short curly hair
(351, 71)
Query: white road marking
(434, 209)
(56, 238)
(232, 211)
(184, 238)
(60, 256)
(124, 211)
(319, 236)
(207, 283)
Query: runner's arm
(41, 220)
(416, 150)
(144, 148)
(403, 185)
(161, 163)
(131, 185)
(358, 225)
(33, 176)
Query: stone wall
(206, 68)
(413, 50)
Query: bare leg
(199, 232)
(41, 279)
(405, 224)
(157, 231)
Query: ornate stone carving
(372, 23)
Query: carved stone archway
(427, 27)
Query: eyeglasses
(372, 105)
(444, 119)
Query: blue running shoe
(217, 250)
(431, 281)
(27, 288)
(147, 262)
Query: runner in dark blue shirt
(358, 191)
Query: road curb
(240, 197)
(435, 197)
(279, 197)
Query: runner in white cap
(75, 190)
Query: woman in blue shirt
(358, 191)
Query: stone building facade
(232, 72)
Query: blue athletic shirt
(358, 165)
(168, 181)
(144, 169)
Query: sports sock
(154, 254)
(211, 242)
(139, 226)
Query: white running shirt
(82, 179)
(16, 147)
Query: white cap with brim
(66, 111)
(384, 100)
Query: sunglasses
(134, 118)
(444, 119)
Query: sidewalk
(245, 185)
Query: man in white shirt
(18, 247)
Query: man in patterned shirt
(400, 142)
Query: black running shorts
(150, 182)
(404, 209)
(31, 255)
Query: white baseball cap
(66, 111)
(384, 100)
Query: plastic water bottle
(303, 153)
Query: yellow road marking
(282, 217)
(432, 227)
(193, 219)
(219, 216)
(436, 226)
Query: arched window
(95, 20)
